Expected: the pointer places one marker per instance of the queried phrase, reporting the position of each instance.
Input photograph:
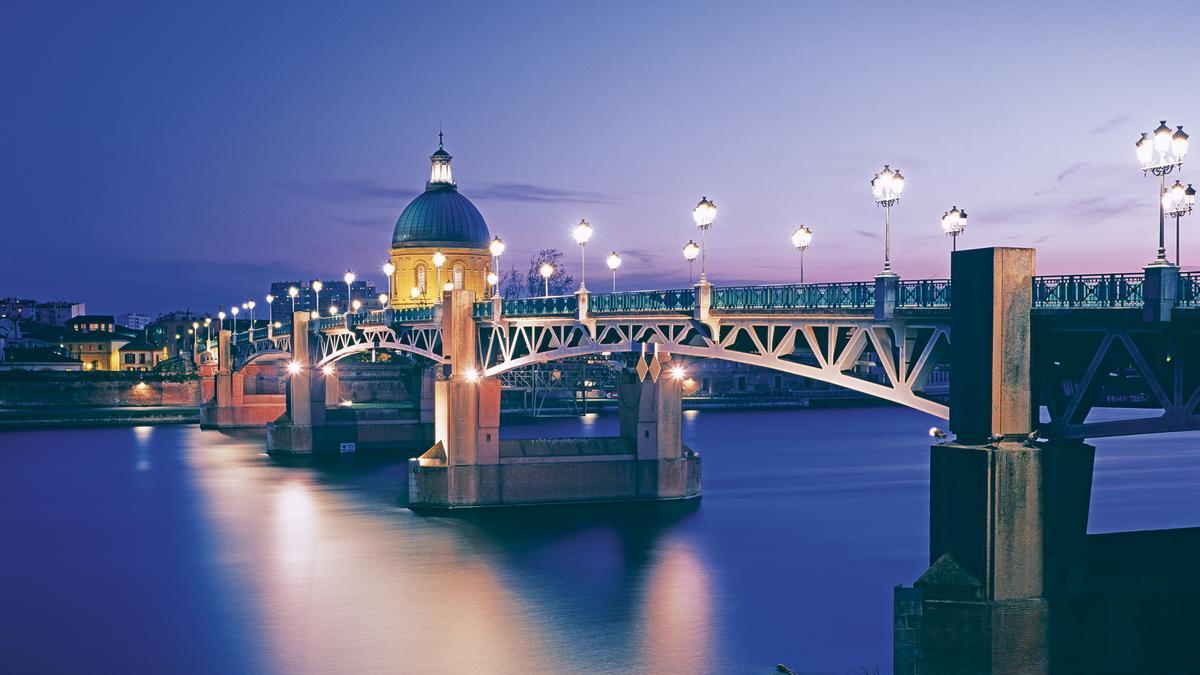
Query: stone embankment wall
(378, 382)
(47, 389)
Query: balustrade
(632, 302)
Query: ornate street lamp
(207, 328)
(547, 271)
(582, 234)
(886, 188)
(439, 259)
(250, 305)
(270, 308)
(690, 251)
(234, 310)
(383, 298)
(333, 310)
(954, 222)
(801, 238)
(355, 305)
(704, 215)
(1160, 152)
(415, 293)
(292, 293)
(614, 261)
(220, 321)
(389, 269)
(317, 286)
(1177, 202)
(493, 280)
(497, 249)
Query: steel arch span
(425, 341)
(824, 349)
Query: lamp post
(547, 271)
(317, 286)
(388, 270)
(207, 330)
(704, 215)
(954, 222)
(383, 298)
(582, 234)
(355, 305)
(250, 304)
(1177, 202)
(439, 259)
(348, 277)
(415, 293)
(1160, 152)
(234, 310)
(886, 188)
(270, 309)
(690, 251)
(497, 250)
(493, 281)
(195, 333)
(292, 293)
(614, 261)
(801, 238)
(220, 321)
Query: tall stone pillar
(224, 378)
(651, 415)
(299, 388)
(1007, 513)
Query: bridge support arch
(469, 466)
(229, 406)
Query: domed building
(440, 225)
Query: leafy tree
(512, 284)
(561, 283)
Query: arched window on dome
(458, 271)
(420, 277)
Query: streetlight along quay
(614, 261)
(547, 271)
(439, 259)
(690, 251)
(704, 215)
(497, 249)
(348, 277)
(886, 188)
(801, 239)
(389, 270)
(1160, 152)
(317, 286)
(1177, 203)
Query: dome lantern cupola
(439, 174)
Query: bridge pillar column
(224, 379)
(1007, 514)
(651, 415)
(1159, 288)
(700, 310)
(887, 287)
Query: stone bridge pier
(469, 466)
(230, 406)
(315, 422)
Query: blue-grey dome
(441, 216)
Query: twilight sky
(170, 155)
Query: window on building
(458, 271)
(420, 277)
(131, 358)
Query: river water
(167, 549)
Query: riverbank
(96, 416)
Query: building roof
(441, 216)
(93, 318)
(139, 345)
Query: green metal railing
(848, 295)
(1089, 290)
(412, 315)
(631, 302)
(1189, 290)
(482, 310)
(554, 305)
(924, 293)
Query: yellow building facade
(440, 242)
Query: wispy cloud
(366, 190)
(1066, 173)
(1110, 124)
(867, 233)
(527, 192)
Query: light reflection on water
(221, 559)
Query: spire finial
(439, 139)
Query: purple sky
(172, 155)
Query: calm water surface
(169, 549)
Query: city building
(440, 237)
(97, 341)
(133, 321)
(332, 293)
(139, 354)
(18, 308)
(58, 312)
(174, 331)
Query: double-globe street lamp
(704, 215)
(1177, 202)
(801, 239)
(582, 234)
(954, 222)
(1160, 152)
(690, 251)
(886, 188)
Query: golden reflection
(676, 622)
(141, 435)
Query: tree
(512, 284)
(561, 283)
